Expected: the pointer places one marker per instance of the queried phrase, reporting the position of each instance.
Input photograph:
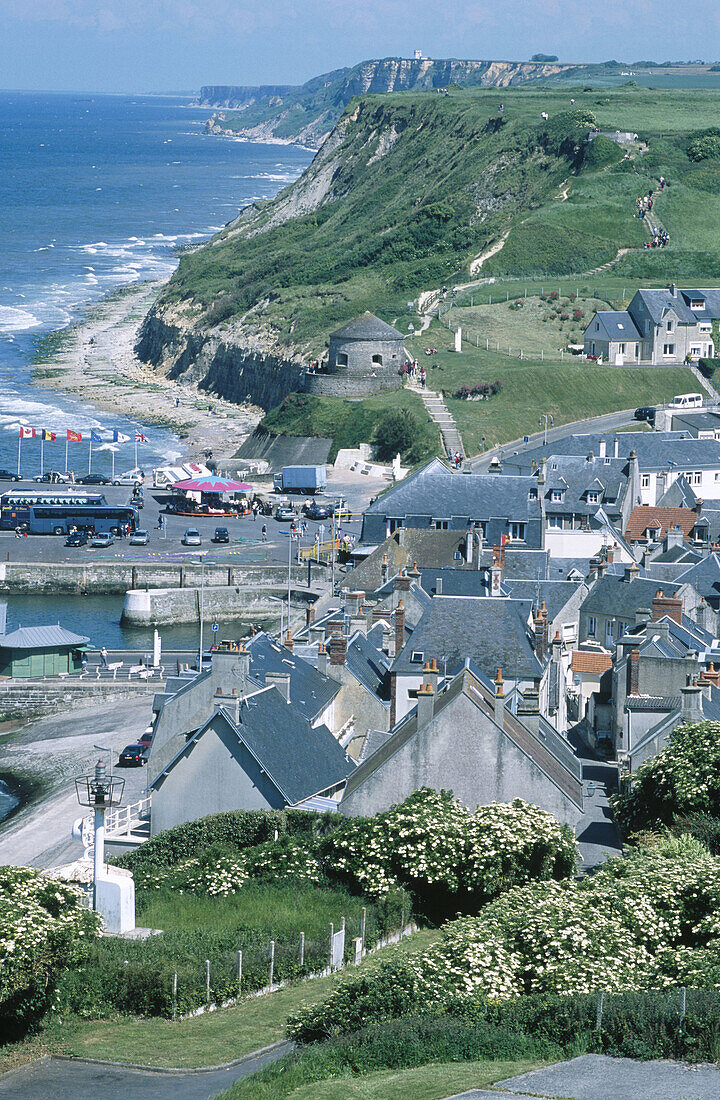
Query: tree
(544, 57)
(396, 432)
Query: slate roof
(438, 491)
(554, 594)
(655, 450)
(653, 702)
(612, 595)
(40, 637)
(367, 662)
(575, 476)
(615, 325)
(367, 327)
(705, 576)
(492, 632)
(426, 546)
(661, 519)
(310, 691)
(658, 302)
(700, 421)
(301, 760)
(461, 582)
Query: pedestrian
(264, 532)
(177, 402)
(104, 657)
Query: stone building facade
(364, 357)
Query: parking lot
(246, 542)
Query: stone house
(365, 356)
(461, 737)
(658, 327)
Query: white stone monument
(458, 338)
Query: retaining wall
(161, 606)
(34, 698)
(114, 577)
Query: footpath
(439, 413)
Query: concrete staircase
(438, 412)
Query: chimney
(389, 643)
(322, 662)
(495, 466)
(438, 586)
(353, 600)
(229, 702)
(316, 634)
(659, 630)
(499, 699)
(673, 290)
(633, 687)
(616, 447)
(541, 633)
(289, 643)
(425, 704)
(359, 622)
(542, 474)
(384, 569)
(399, 627)
(674, 537)
(610, 553)
(310, 614)
(469, 537)
(712, 675)
(692, 708)
(281, 681)
(529, 709)
(401, 583)
(603, 447)
(431, 674)
(400, 536)
(414, 572)
(666, 606)
(631, 572)
(496, 570)
(337, 648)
(556, 648)
(643, 615)
(703, 615)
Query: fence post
(542, 355)
(174, 996)
(239, 971)
(683, 1004)
(363, 917)
(330, 952)
(487, 344)
(598, 1019)
(490, 303)
(207, 980)
(302, 950)
(272, 962)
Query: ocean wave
(17, 320)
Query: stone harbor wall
(343, 385)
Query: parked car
(133, 756)
(77, 538)
(284, 512)
(92, 479)
(221, 535)
(8, 475)
(192, 537)
(132, 477)
(53, 478)
(145, 739)
(315, 510)
(647, 412)
(137, 500)
(102, 541)
(139, 538)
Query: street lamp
(202, 608)
(546, 417)
(99, 791)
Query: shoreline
(95, 360)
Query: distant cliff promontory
(308, 112)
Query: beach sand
(96, 362)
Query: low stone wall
(34, 698)
(118, 577)
(161, 606)
(343, 385)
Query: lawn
(205, 1040)
(431, 1082)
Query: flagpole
(19, 446)
(42, 452)
(66, 451)
(136, 461)
(90, 456)
(113, 463)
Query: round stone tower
(365, 357)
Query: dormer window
(669, 326)
(697, 303)
(593, 497)
(417, 657)
(532, 494)
(556, 495)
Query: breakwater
(251, 602)
(117, 577)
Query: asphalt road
(245, 532)
(56, 1079)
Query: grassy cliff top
(410, 187)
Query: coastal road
(609, 422)
(55, 750)
(58, 1079)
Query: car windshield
(192, 533)
(141, 534)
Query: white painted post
(491, 299)
(683, 1004)
(302, 949)
(542, 355)
(174, 996)
(272, 962)
(239, 971)
(207, 980)
(458, 338)
(487, 344)
(599, 1014)
(332, 933)
(363, 917)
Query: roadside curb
(283, 1045)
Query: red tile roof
(591, 662)
(660, 519)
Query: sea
(98, 192)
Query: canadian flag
(27, 433)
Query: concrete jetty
(251, 602)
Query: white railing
(118, 822)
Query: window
(620, 628)
(644, 481)
(592, 626)
(341, 359)
(621, 347)
(695, 349)
(553, 466)
(532, 494)
(517, 532)
(705, 327)
(593, 497)
(647, 327)
(457, 556)
(555, 521)
(620, 326)
(668, 349)
(609, 631)
(696, 478)
(556, 495)
(441, 524)
(650, 532)
(669, 326)
(597, 327)
(394, 524)
(697, 303)
(417, 656)
(377, 359)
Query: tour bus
(58, 519)
(15, 505)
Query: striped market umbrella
(212, 484)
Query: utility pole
(202, 611)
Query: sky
(178, 45)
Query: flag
(27, 433)
(73, 437)
(140, 438)
(118, 437)
(48, 437)
(95, 437)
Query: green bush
(708, 366)
(704, 144)
(682, 779)
(396, 432)
(600, 153)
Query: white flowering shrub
(290, 857)
(643, 922)
(43, 928)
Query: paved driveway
(57, 1079)
(597, 1077)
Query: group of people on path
(413, 370)
(457, 460)
(643, 206)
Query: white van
(686, 401)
